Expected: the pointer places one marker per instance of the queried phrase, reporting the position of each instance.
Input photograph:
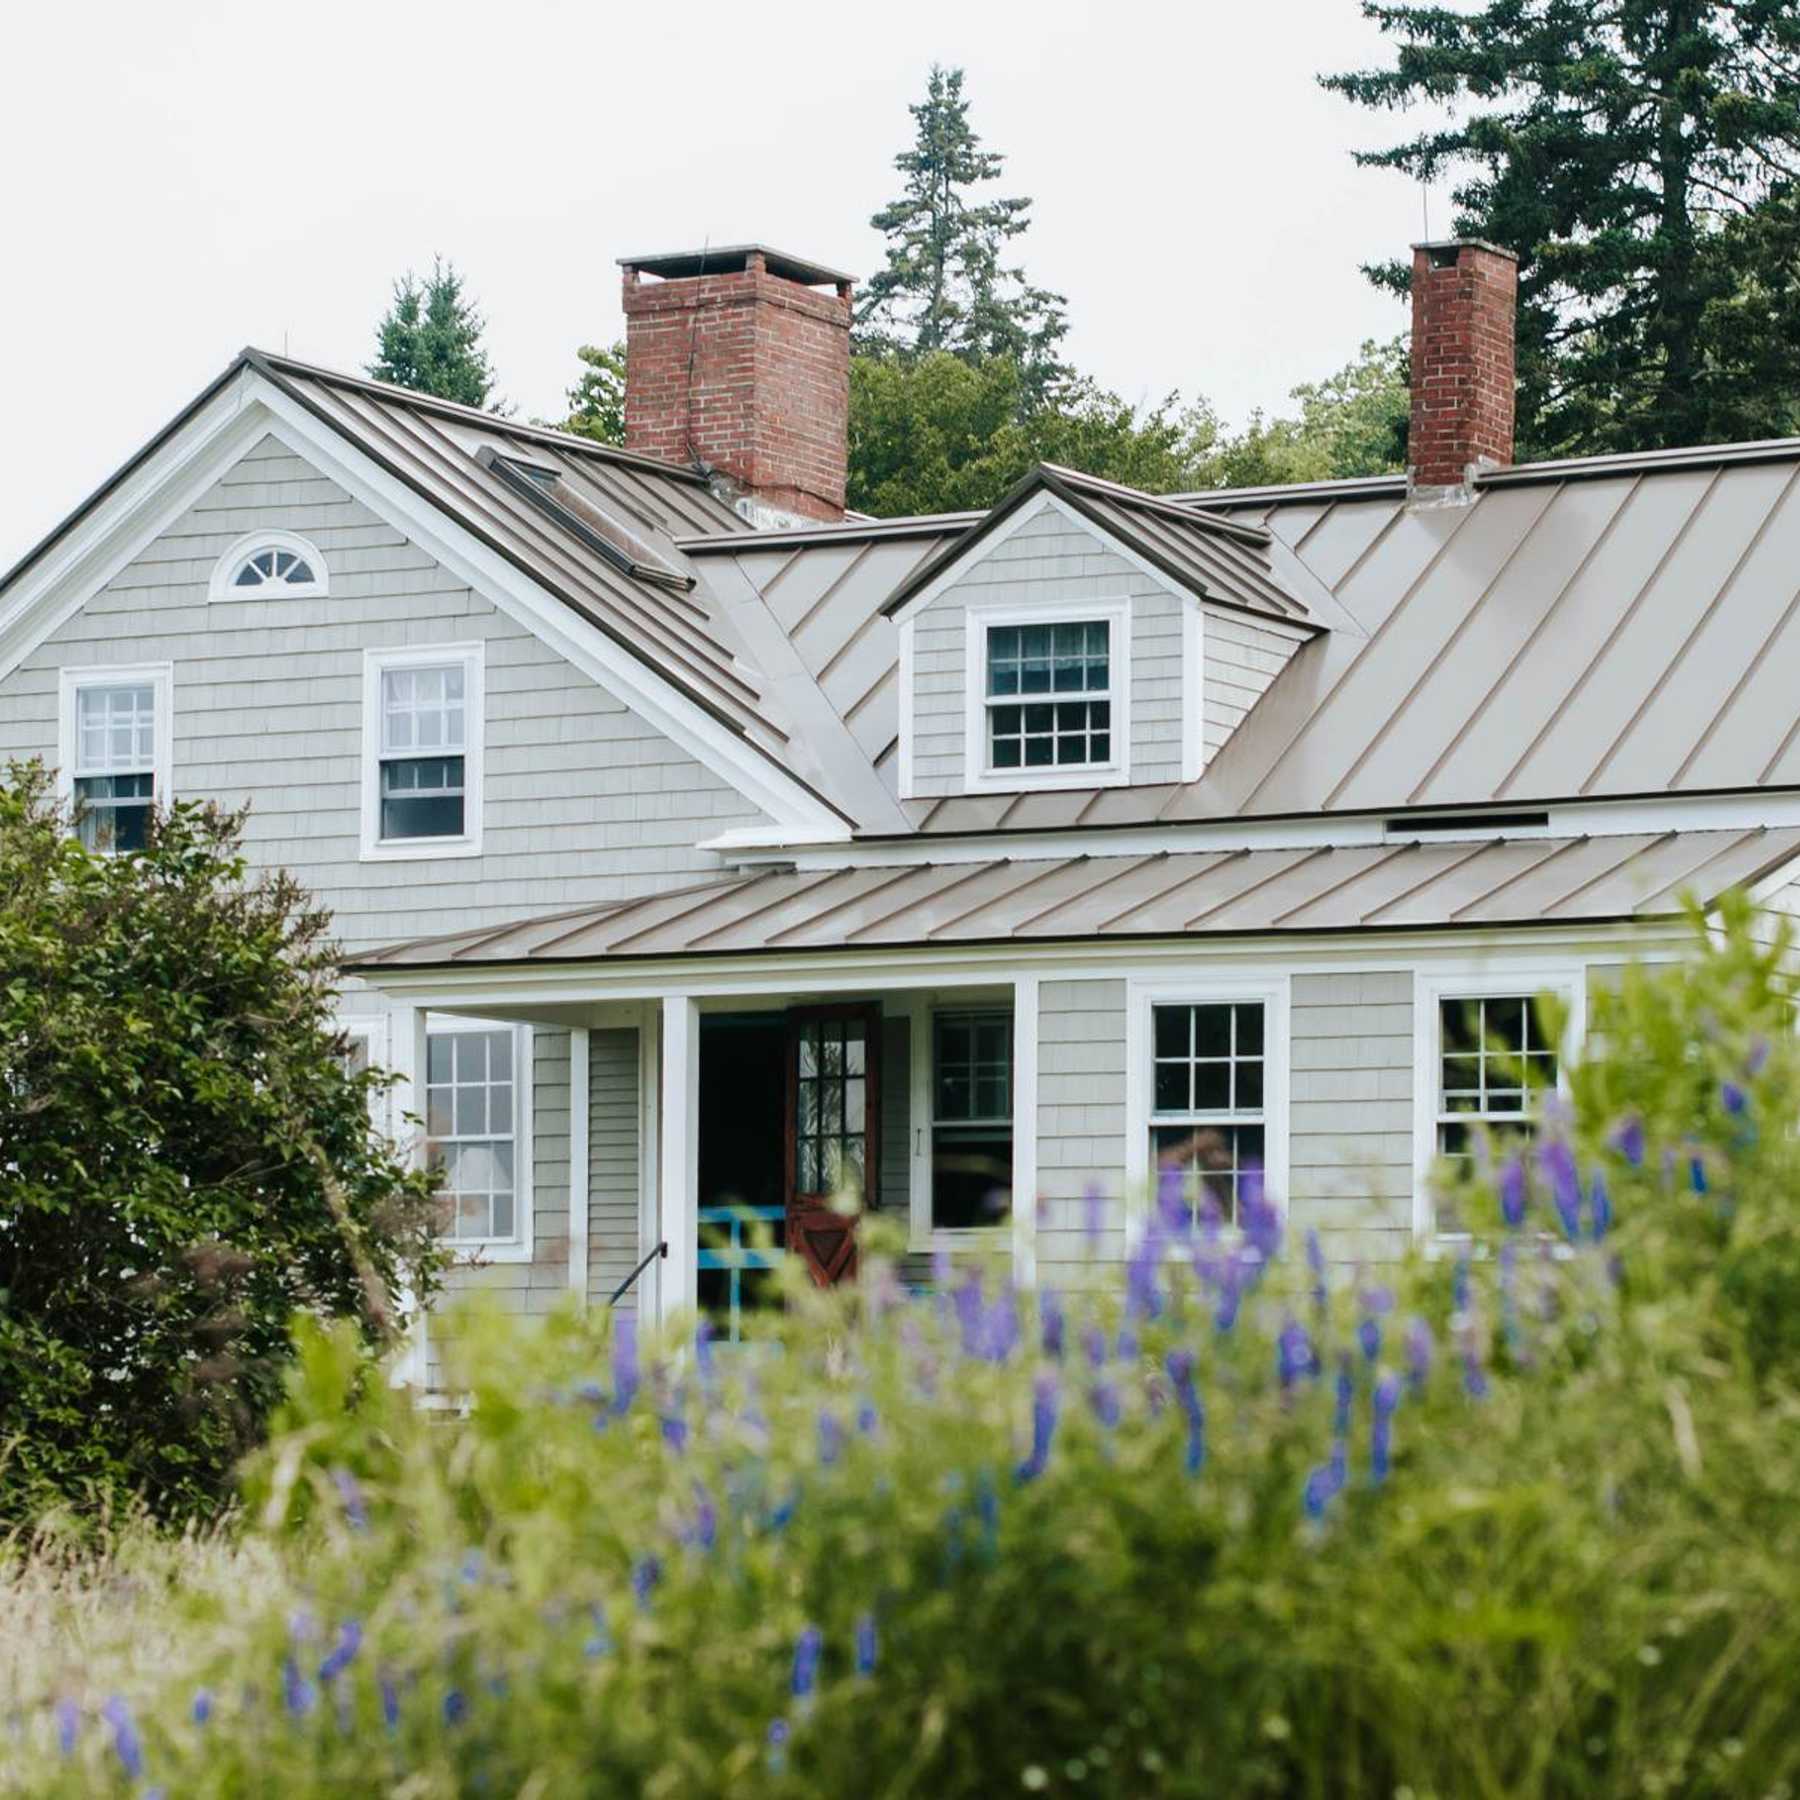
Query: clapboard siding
(1081, 1129)
(584, 801)
(1350, 1128)
(614, 1164)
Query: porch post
(680, 1150)
(1025, 1130)
(412, 1367)
(579, 1174)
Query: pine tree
(1642, 157)
(430, 339)
(946, 284)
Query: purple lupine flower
(350, 1494)
(866, 1419)
(1094, 1342)
(1128, 1346)
(778, 1742)
(1628, 1140)
(1043, 1429)
(1459, 1286)
(599, 1641)
(1324, 1483)
(1368, 1337)
(470, 1574)
(1231, 1294)
(68, 1726)
(1000, 1333)
(338, 1659)
(1382, 1404)
(704, 1361)
(1346, 1395)
(941, 1270)
(831, 1437)
(1697, 1172)
(1599, 1204)
(1260, 1215)
(675, 1432)
(1315, 1262)
(1557, 1161)
(1093, 1199)
(1050, 1323)
(1512, 1192)
(390, 1701)
(128, 1747)
(866, 1645)
(456, 1707)
(1733, 1098)
(1295, 1356)
(201, 1711)
(1757, 1058)
(625, 1362)
(646, 1572)
(809, 1648)
(1104, 1398)
(1142, 1301)
(297, 1693)
(1475, 1381)
(704, 1532)
(1418, 1354)
(1180, 1364)
(969, 1310)
(782, 1515)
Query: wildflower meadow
(1514, 1519)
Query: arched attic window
(270, 565)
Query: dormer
(1084, 635)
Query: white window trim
(371, 1029)
(376, 662)
(225, 570)
(978, 778)
(1193, 689)
(1431, 987)
(1142, 997)
(921, 1010)
(518, 1247)
(161, 677)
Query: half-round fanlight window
(270, 565)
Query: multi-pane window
(114, 775)
(424, 741)
(471, 1131)
(971, 1119)
(1049, 695)
(274, 567)
(831, 1105)
(1207, 1096)
(1493, 1055)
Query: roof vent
(1412, 825)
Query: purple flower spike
(1172, 1212)
(831, 1437)
(866, 1645)
(68, 1726)
(703, 1350)
(1368, 1337)
(1628, 1140)
(1142, 1301)
(1001, 1327)
(1180, 1364)
(1599, 1204)
(866, 1419)
(1346, 1394)
(1315, 1261)
(808, 1649)
(1324, 1483)
(969, 1311)
(1093, 1213)
(1043, 1429)
(675, 1432)
(1697, 1172)
(625, 1362)
(201, 1711)
(343, 1652)
(297, 1693)
(1050, 1323)
(1557, 1161)
(1105, 1400)
(1260, 1215)
(1459, 1286)
(1512, 1192)
(599, 1640)
(1094, 1341)
(941, 1271)
(390, 1702)
(1231, 1295)
(127, 1745)
(1475, 1380)
(1755, 1062)
(1383, 1402)
(350, 1494)
(1418, 1354)
(778, 1742)
(705, 1532)
(456, 1707)
(1295, 1356)
(1733, 1099)
(646, 1572)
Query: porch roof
(1204, 893)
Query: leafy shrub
(1518, 1523)
(185, 1161)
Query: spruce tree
(946, 284)
(1641, 156)
(430, 339)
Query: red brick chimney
(739, 358)
(1465, 294)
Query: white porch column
(1025, 1130)
(412, 1367)
(679, 1160)
(579, 1173)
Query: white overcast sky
(181, 178)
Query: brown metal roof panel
(1036, 889)
(1054, 810)
(1588, 876)
(956, 891)
(1745, 732)
(1706, 863)
(790, 902)
(892, 896)
(1375, 885)
(1139, 804)
(1216, 882)
(1332, 540)
(1464, 880)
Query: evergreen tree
(597, 400)
(946, 284)
(1641, 156)
(430, 339)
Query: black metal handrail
(624, 1286)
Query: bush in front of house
(1516, 1522)
(185, 1160)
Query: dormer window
(269, 565)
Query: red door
(832, 1132)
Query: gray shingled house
(699, 849)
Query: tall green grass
(1518, 1522)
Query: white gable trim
(250, 408)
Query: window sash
(1070, 715)
(471, 1122)
(1239, 1126)
(115, 728)
(1472, 1090)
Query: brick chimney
(739, 358)
(1465, 294)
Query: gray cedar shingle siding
(614, 1161)
(1241, 656)
(1081, 1128)
(583, 801)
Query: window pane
(422, 797)
(1174, 1030)
(1249, 1030)
(1248, 1093)
(1212, 1086)
(971, 1176)
(1212, 1030)
(972, 1066)
(1208, 1058)
(1174, 1092)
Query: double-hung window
(474, 1131)
(115, 751)
(1494, 1056)
(1050, 696)
(971, 1118)
(423, 731)
(1208, 1094)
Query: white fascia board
(548, 618)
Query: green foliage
(1641, 155)
(597, 400)
(430, 339)
(186, 1160)
(945, 285)
(1518, 1524)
